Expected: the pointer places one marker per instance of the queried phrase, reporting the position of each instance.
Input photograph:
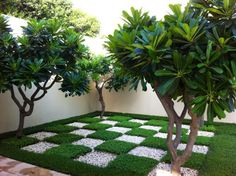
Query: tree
(52, 9)
(46, 54)
(189, 57)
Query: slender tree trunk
(101, 99)
(20, 128)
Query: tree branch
(13, 96)
(26, 99)
(41, 96)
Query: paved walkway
(10, 167)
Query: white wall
(53, 106)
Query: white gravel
(156, 154)
(104, 117)
(164, 169)
(77, 124)
(109, 122)
(163, 135)
(83, 132)
(119, 129)
(149, 127)
(100, 159)
(203, 133)
(138, 121)
(196, 148)
(42, 135)
(132, 139)
(186, 126)
(89, 142)
(39, 147)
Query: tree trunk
(101, 99)
(20, 128)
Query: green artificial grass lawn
(165, 130)
(119, 118)
(117, 147)
(63, 138)
(68, 150)
(97, 126)
(141, 132)
(60, 128)
(105, 135)
(128, 124)
(220, 160)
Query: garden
(186, 58)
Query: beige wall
(53, 106)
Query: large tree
(47, 53)
(189, 57)
(52, 9)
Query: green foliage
(89, 120)
(119, 118)
(128, 124)
(183, 55)
(211, 128)
(155, 142)
(104, 135)
(97, 126)
(117, 147)
(51, 9)
(131, 163)
(60, 128)
(157, 123)
(19, 143)
(63, 138)
(68, 150)
(141, 132)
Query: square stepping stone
(153, 153)
(42, 135)
(163, 135)
(83, 132)
(109, 122)
(149, 127)
(196, 148)
(77, 124)
(119, 129)
(39, 147)
(89, 142)
(165, 169)
(100, 159)
(186, 126)
(132, 139)
(203, 133)
(98, 117)
(138, 121)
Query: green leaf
(166, 86)
(218, 110)
(218, 70)
(199, 99)
(226, 4)
(199, 108)
(210, 113)
(164, 73)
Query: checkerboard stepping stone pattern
(165, 169)
(39, 147)
(196, 148)
(42, 135)
(150, 127)
(109, 122)
(89, 142)
(83, 132)
(77, 124)
(163, 135)
(100, 159)
(119, 129)
(132, 139)
(138, 121)
(148, 152)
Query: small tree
(45, 54)
(187, 57)
(52, 9)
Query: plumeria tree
(189, 56)
(46, 54)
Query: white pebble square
(100, 159)
(77, 124)
(149, 127)
(109, 122)
(196, 148)
(83, 132)
(132, 139)
(156, 154)
(138, 121)
(119, 129)
(98, 117)
(163, 135)
(203, 133)
(42, 135)
(89, 142)
(186, 126)
(39, 147)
